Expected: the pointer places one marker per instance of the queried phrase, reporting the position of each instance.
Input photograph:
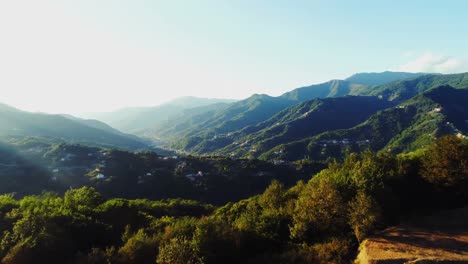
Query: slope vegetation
(17, 124)
(405, 127)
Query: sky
(68, 56)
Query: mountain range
(261, 124)
(405, 127)
(394, 111)
(137, 119)
(17, 124)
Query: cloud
(430, 62)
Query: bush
(179, 251)
(445, 163)
(364, 214)
(320, 211)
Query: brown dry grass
(439, 238)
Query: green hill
(379, 78)
(333, 88)
(303, 121)
(250, 111)
(21, 176)
(405, 89)
(137, 120)
(186, 122)
(206, 132)
(406, 127)
(15, 123)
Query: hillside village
(147, 174)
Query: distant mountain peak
(7, 108)
(260, 96)
(196, 101)
(379, 78)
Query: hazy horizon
(80, 57)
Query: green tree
(85, 198)
(364, 215)
(320, 211)
(139, 248)
(445, 163)
(273, 197)
(179, 251)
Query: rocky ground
(438, 238)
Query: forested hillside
(406, 127)
(254, 127)
(137, 120)
(301, 121)
(192, 124)
(32, 165)
(16, 124)
(317, 221)
(291, 179)
(406, 89)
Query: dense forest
(321, 220)
(33, 165)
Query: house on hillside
(194, 176)
(278, 162)
(140, 180)
(262, 174)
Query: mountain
(406, 127)
(380, 78)
(238, 115)
(402, 90)
(333, 88)
(250, 111)
(210, 126)
(15, 123)
(303, 121)
(187, 121)
(20, 175)
(353, 85)
(138, 119)
(95, 124)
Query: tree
(273, 197)
(85, 198)
(179, 251)
(319, 211)
(139, 248)
(364, 214)
(445, 163)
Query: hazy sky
(76, 56)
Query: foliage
(179, 251)
(446, 162)
(319, 210)
(318, 221)
(139, 248)
(364, 215)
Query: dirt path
(440, 238)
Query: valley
(233, 132)
(304, 177)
